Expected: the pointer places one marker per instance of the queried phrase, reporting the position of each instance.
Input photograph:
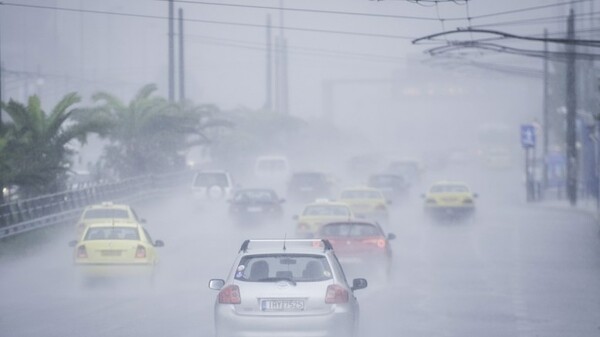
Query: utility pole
(181, 60)
(1, 83)
(545, 126)
(285, 93)
(171, 53)
(282, 89)
(572, 165)
(278, 74)
(268, 68)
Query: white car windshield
(278, 267)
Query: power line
(216, 22)
(528, 9)
(558, 56)
(298, 50)
(541, 20)
(304, 10)
(588, 43)
(309, 10)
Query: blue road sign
(527, 135)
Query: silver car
(286, 288)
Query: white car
(212, 185)
(286, 288)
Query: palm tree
(33, 148)
(148, 134)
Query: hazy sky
(51, 52)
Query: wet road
(514, 270)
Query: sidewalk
(587, 205)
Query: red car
(360, 244)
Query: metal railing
(21, 216)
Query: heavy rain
(258, 168)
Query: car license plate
(254, 209)
(110, 252)
(282, 305)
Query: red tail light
(140, 252)
(379, 242)
(336, 294)
(82, 252)
(230, 295)
(303, 226)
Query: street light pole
(571, 105)
(546, 127)
(171, 53)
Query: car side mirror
(359, 283)
(391, 236)
(159, 243)
(216, 284)
(73, 243)
(143, 220)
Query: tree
(148, 135)
(33, 148)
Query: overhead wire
(296, 49)
(216, 22)
(305, 10)
(539, 20)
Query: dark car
(308, 186)
(360, 245)
(252, 204)
(393, 186)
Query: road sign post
(528, 144)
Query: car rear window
(106, 213)
(112, 233)
(255, 196)
(449, 189)
(326, 210)
(279, 267)
(350, 230)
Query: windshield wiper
(277, 279)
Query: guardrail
(21, 216)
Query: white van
(216, 185)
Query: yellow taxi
(366, 202)
(105, 212)
(450, 199)
(113, 249)
(319, 213)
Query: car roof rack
(285, 242)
